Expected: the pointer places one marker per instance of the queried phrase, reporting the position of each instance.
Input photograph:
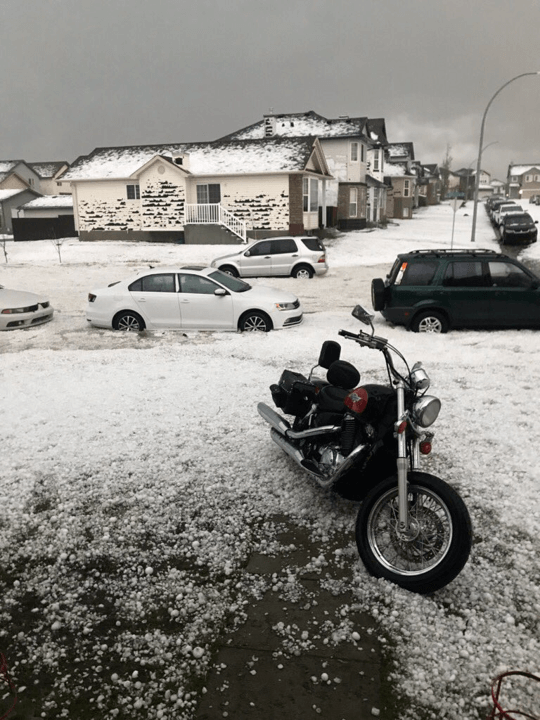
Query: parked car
(436, 290)
(193, 299)
(21, 309)
(518, 229)
(506, 209)
(535, 199)
(301, 257)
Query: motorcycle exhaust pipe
(272, 418)
(295, 454)
(282, 426)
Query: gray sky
(80, 74)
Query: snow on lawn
(137, 478)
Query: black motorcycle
(365, 442)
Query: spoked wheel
(437, 544)
(128, 322)
(255, 322)
(429, 322)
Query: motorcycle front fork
(403, 463)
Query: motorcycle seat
(332, 399)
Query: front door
(284, 254)
(200, 307)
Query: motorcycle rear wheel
(439, 541)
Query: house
(378, 189)
(430, 185)
(522, 181)
(348, 149)
(221, 192)
(49, 174)
(18, 175)
(45, 217)
(402, 171)
(10, 200)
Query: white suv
(301, 257)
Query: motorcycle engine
(330, 459)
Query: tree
(445, 171)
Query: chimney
(269, 125)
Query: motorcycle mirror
(360, 314)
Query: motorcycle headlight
(426, 410)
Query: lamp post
(477, 179)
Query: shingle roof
(47, 169)
(302, 124)
(211, 158)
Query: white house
(200, 192)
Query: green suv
(435, 290)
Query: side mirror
(247, 253)
(220, 292)
(360, 314)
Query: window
(154, 283)
(262, 248)
(133, 192)
(196, 284)
(406, 188)
(362, 152)
(419, 273)
(354, 152)
(353, 202)
(464, 274)
(279, 247)
(527, 178)
(505, 274)
(310, 191)
(376, 161)
(210, 193)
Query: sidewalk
(304, 651)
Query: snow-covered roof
(47, 169)
(395, 170)
(51, 201)
(10, 192)
(520, 169)
(271, 155)
(404, 149)
(302, 125)
(7, 167)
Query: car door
(284, 252)
(514, 295)
(257, 260)
(156, 298)
(463, 291)
(200, 307)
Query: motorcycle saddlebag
(294, 393)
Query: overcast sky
(80, 74)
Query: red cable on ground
(498, 713)
(5, 676)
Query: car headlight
(286, 306)
(12, 311)
(426, 410)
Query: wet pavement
(305, 649)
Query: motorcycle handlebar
(362, 338)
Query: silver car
(21, 309)
(299, 257)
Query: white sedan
(190, 298)
(21, 309)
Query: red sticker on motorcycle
(357, 400)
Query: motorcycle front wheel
(435, 548)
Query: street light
(477, 179)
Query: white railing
(215, 214)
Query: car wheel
(378, 294)
(229, 270)
(128, 321)
(429, 321)
(255, 322)
(302, 272)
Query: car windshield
(230, 282)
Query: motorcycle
(365, 442)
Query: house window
(527, 178)
(406, 212)
(406, 188)
(376, 161)
(362, 152)
(353, 202)
(133, 192)
(310, 191)
(209, 194)
(354, 152)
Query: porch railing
(215, 214)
